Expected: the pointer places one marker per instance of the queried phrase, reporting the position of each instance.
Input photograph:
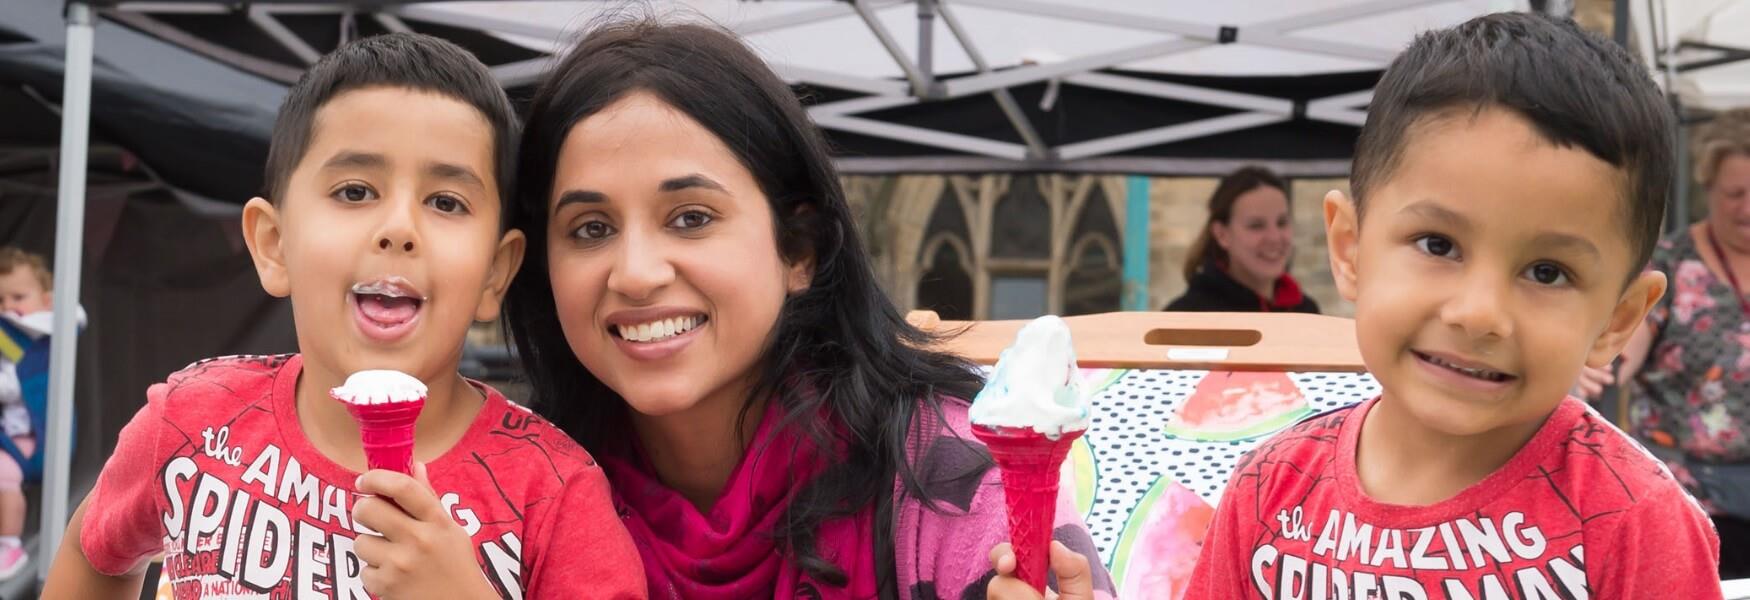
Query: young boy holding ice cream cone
(1509, 184)
(383, 225)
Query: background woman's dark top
(1213, 290)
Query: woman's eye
(594, 230)
(1547, 274)
(690, 220)
(447, 204)
(354, 193)
(1435, 245)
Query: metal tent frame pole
(69, 240)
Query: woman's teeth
(659, 330)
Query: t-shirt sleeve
(1221, 568)
(122, 525)
(1664, 547)
(585, 551)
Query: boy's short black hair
(1576, 89)
(407, 60)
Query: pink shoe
(12, 561)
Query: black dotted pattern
(1131, 449)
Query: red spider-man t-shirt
(1581, 511)
(216, 475)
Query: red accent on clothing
(1288, 294)
(1579, 511)
(731, 552)
(215, 472)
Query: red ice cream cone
(1031, 466)
(387, 432)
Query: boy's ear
(506, 261)
(1630, 312)
(1343, 240)
(261, 233)
(49, 300)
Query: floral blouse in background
(1693, 393)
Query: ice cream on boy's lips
(386, 404)
(1028, 414)
(386, 308)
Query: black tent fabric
(166, 279)
(207, 133)
(198, 124)
(1080, 114)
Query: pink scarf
(730, 552)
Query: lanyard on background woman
(1731, 277)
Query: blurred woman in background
(1239, 262)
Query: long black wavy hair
(839, 348)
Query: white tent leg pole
(69, 239)
(1680, 196)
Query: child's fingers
(421, 475)
(1002, 559)
(383, 517)
(414, 496)
(1075, 578)
(371, 550)
(1009, 587)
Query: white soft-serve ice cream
(1035, 383)
(379, 387)
(386, 405)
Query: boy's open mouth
(387, 307)
(1481, 373)
(658, 330)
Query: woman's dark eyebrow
(579, 197)
(694, 180)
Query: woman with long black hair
(698, 312)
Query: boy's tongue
(385, 309)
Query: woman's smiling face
(663, 256)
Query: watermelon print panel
(1238, 405)
(1127, 452)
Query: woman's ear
(1220, 234)
(799, 270)
(800, 275)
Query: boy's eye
(1547, 274)
(594, 230)
(1435, 245)
(354, 193)
(691, 219)
(447, 204)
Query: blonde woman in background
(1688, 369)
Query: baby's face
(22, 293)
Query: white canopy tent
(884, 54)
(1701, 48)
(1700, 52)
(889, 54)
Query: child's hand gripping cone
(386, 404)
(1029, 413)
